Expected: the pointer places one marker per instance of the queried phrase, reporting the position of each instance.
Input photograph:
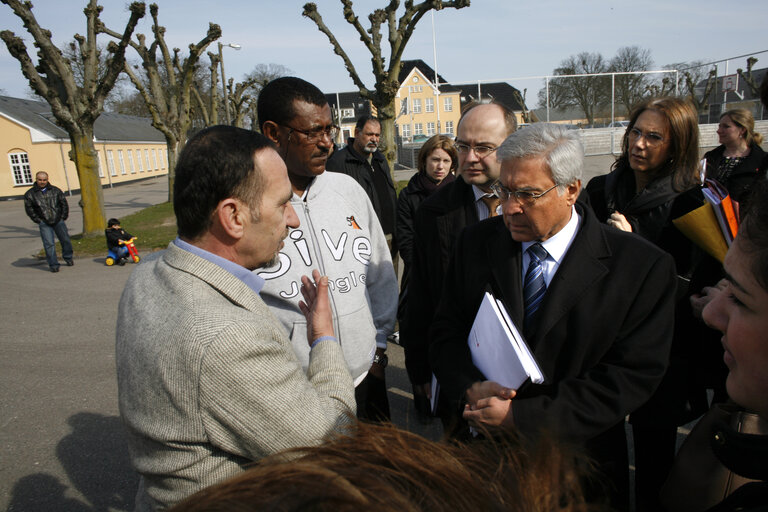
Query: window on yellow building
(130, 161)
(449, 127)
(120, 161)
(430, 129)
(111, 163)
(448, 104)
(429, 105)
(146, 158)
(418, 129)
(417, 105)
(405, 131)
(22, 172)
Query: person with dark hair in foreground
(380, 468)
(208, 381)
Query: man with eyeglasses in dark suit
(439, 220)
(595, 304)
(339, 234)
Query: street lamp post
(224, 79)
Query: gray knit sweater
(208, 380)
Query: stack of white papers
(498, 349)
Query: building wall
(414, 121)
(53, 158)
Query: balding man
(48, 208)
(439, 220)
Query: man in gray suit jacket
(208, 380)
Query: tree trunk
(174, 148)
(86, 160)
(386, 116)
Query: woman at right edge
(656, 179)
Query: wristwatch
(381, 360)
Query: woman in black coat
(655, 180)
(437, 161)
(739, 160)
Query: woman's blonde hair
(743, 119)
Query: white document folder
(498, 349)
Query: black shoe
(54, 269)
(70, 263)
(121, 262)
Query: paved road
(61, 442)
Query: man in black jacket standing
(48, 208)
(363, 161)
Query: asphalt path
(62, 446)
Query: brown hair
(382, 468)
(753, 231)
(683, 161)
(743, 119)
(438, 142)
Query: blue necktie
(535, 287)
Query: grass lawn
(154, 228)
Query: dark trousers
(372, 401)
(49, 242)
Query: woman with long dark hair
(657, 179)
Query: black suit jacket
(603, 334)
(348, 161)
(437, 225)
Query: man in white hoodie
(339, 234)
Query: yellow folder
(702, 228)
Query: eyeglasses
(523, 196)
(316, 135)
(480, 151)
(653, 139)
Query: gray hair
(560, 148)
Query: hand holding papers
(498, 349)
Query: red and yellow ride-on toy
(127, 248)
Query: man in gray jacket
(208, 381)
(340, 234)
(48, 208)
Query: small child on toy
(114, 235)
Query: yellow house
(129, 148)
(424, 109)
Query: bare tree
(398, 31)
(166, 87)
(629, 89)
(74, 106)
(589, 93)
(748, 78)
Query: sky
(491, 40)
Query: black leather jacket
(46, 205)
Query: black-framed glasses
(523, 196)
(653, 139)
(315, 135)
(480, 151)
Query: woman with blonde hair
(739, 160)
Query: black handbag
(698, 480)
